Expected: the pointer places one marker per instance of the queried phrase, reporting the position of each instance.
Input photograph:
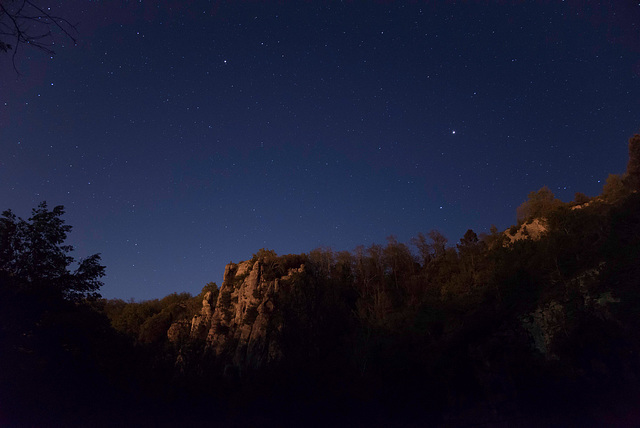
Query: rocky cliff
(533, 230)
(242, 324)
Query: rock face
(178, 331)
(241, 325)
(201, 322)
(532, 230)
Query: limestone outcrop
(178, 331)
(201, 322)
(240, 324)
(531, 230)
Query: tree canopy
(633, 166)
(538, 204)
(34, 257)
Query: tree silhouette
(633, 166)
(538, 205)
(27, 22)
(614, 188)
(34, 258)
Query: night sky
(180, 135)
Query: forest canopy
(525, 331)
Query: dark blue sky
(180, 135)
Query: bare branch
(57, 21)
(25, 22)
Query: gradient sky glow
(180, 135)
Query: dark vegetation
(538, 332)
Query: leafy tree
(128, 317)
(469, 239)
(494, 239)
(580, 198)
(539, 204)
(52, 340)
(471, 251)
(633, 166)
(614, 188)
(264, 255)
(172, 308)
(398, 259)
(33, 256)
(424, 250)
(269, 261)
(438, 243)
(343, 268)
(321, 259)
